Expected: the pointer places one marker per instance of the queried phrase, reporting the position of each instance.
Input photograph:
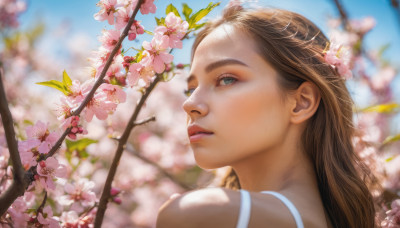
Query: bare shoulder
(210, 207)
(219, 207)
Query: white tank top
(245, 208)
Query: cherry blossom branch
(23, 179)
(159, 168)
(99, 81)
(105, 196)
(19, 184)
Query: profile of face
(236, 108)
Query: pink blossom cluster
(38, 143)
(9, 11)
(339, 57)
(79, 195)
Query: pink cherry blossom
(174, 28)
(382, 79)
(156, 53)
(28, 152)
(147, 7)
(17, 212)
(392, 219)
(79, 195)
(363, 25)
(46, 218)
(115, 69)
(49, 169)
(40, 132)
(339, 56)
(134, 73)
(114, 93)
(109, 38)
(138, 71)
(122, 17)
(107, 11)
(9, 11)
(65, 108)
(69, 219)
(99, 106)
(99, 60)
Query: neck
(276, 169)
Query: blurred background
(54, 36)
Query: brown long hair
(294, 46)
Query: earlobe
(306, 101)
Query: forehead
(225, 42)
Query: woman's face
(236, 109)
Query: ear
(305, 102)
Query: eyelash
(189, 92)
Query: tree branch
(343, 13)
(159, 168)
(17, 188)
(105, 196)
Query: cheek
(254, 120)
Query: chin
(207, 164)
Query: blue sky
(77, 17)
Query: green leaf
(382, 108)
(186, 10)
(389, 159)
(391, 139)
(171, 8)
(63, 86)
(28, 122)
(200, 14)
(66, 79)
(54, 84)
(79, 145)
(198, 26)
(83, 154)
(160, 21)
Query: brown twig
(342, 12)
(17, 188)
(40, 208)
(159, 168)
(105, 196)
(145, 121)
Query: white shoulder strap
(245, 209)
(290, 206)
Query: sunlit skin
(256, 128)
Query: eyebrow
(217, 64)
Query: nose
(195, 106)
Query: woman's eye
(188, 92)
(226, 80)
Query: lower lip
(198, 137)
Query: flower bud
(117, 200)
(114, 191)
(180, 66)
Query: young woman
(264, 102)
